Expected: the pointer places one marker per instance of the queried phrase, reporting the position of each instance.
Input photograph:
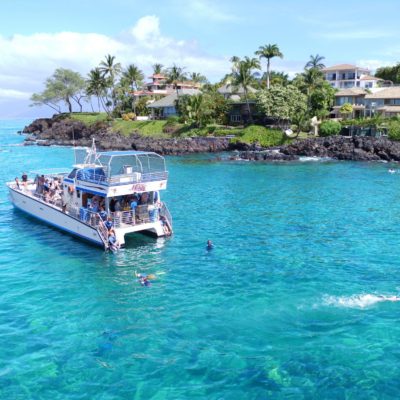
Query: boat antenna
(91, 155)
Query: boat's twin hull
(55, 217)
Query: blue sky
(36, 37)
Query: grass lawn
(89, 118)
(251, 134)
(144, 128)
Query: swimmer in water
(391, 171)
(210, 245)
(143, 279)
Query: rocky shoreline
(335, 147)
(67, 132)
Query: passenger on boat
(24, 179)
(103, 214)
(109, 224)
(46, 185)
(41, 184)
(17, 183)
(165, 226)
(113, 242)
(95, 204)
(112, 205)
(134, 203)
(144, 198)
(117, 205)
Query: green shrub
(261, 135)
(173, 119)
(394, 130)
(329, 128)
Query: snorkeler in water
(209, 245)
(144, 279)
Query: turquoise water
(286, 306)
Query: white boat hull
(54, 216)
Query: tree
(315, 62)
(320, 95)
(64, 85)
(97, 86)
(215, 106)
(346, 109)
(132, 77)
(321, 100)
(269, 51)
(157, 69)
(282, 102)
(389, 73)
(276, 78)
(175, 75)
(191, 108)
(196, 77)
(242, 76)
(47, 98)
(110, 70)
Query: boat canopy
(122, 167)
(127, 162)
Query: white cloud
(27, 60)
(13, 94)
(372, 65)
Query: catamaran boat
(112, 193)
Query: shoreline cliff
(68, 132)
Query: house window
(236, 118)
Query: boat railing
(55, 199)
(143, 214)
(121, 179)
(90, 218)
(164, 213)
(120, 218)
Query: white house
(345, 76)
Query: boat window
(72, 174)
(78, 194)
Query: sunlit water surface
(287, 306)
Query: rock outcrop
(336, 147)
(67, 132)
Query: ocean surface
(292, 303)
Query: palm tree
(110, 70)
(97, 86)
(157, 69)
(175, 75)
(133, 76)
(196, 77)
(269, 51)
(315, 62)
(276, 78)
(242, 75)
